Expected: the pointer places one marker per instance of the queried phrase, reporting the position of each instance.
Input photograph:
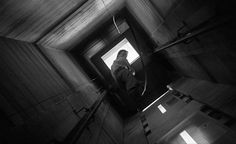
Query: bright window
(110, 56)
(187, 138)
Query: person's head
(122, 53)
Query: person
(124, 76)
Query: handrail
(77, 131)
(194, 33)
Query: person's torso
(119, 63)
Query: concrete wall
(105, 128)
(36, 99)
(73, 73)
(211, 56)
(33, 96)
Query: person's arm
(129, 67)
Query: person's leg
(122, 77)
(128, 82)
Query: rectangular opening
(110, 56)
(161, 108)
(187, 138)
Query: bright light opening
(187, 138)
(161, 108)
(110, 56)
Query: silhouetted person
(123, 73)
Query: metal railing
(203, 28)
(77, 131)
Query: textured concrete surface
(133, 131)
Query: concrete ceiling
(59, 24)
